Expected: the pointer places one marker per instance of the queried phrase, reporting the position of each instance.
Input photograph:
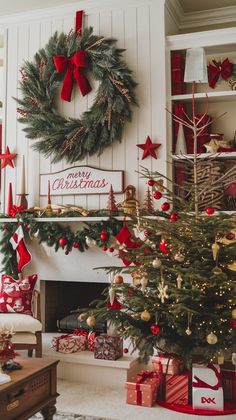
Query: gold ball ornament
(91, 321)
(234, 313)
(156, 263)
(212, 338)
(136, 281)
(145, 316)
(119, 279)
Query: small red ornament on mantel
(174, 217)
(76, 245)
(165, 206)
(63, 241)
(104, 248)
(66, 252)
(126, 350)
(155, 329)
(7, 158)
(157, 195)
(151, 182)
(148, 148)
(103, 235)
(210, 211)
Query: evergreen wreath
(70, 138)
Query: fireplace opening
(61, 297)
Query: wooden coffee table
(32, 389)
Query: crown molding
(221, 15)
(175, 10)
(188, 20)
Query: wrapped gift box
(228, 374)
(177, 74)
(176, 389)
(108, 347)
(142, 389)
(69, 343)
(207, 391)
(171, 364)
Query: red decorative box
(171, 363)
(108, 347)
(177, 388)
(177, 74)
(142, 389)
(228, 376)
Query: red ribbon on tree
(74, 67)
(223, 69)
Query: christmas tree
(182, 297)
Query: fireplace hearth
(61, 297)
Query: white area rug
(68, 416)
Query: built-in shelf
(220, 155)
(216, 96)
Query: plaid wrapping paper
(108, 347)
(172, 364)
(142, 389)
(69, 343)
(228, 376)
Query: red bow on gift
(80, 332)
(223, 69)
(74, 67)
(16, 209)
(202, 384)
(147, 374)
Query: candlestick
(22, 196)
(49, 206)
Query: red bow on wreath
(74, 67)
(223, 69)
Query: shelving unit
(218, 45)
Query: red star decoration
(7, 158)
(149, 148)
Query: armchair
(27, 329)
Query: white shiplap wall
(138, 25)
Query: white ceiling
(198, 5)
(16, 6)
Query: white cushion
(24, 338)
(20, 323)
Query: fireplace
(60, 297)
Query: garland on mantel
(56, 236)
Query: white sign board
(81, 180)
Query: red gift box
(171, 363)
(177, 388)
(177, 74)
(228, 376)
(142, 388)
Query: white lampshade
(195, 66)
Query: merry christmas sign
(81, 180)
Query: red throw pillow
(16, 295)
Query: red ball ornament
(157, 195)
(163, 247)
(165, 206)
(126, 350)
(233, 324)
(66, 252)
(111, 249)
(210, 211)
(104, 248)
(230, 236)
(174, 217)
(151, 182)
(103, 235)
(76, 245)
(63, 242)
(155, 329)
